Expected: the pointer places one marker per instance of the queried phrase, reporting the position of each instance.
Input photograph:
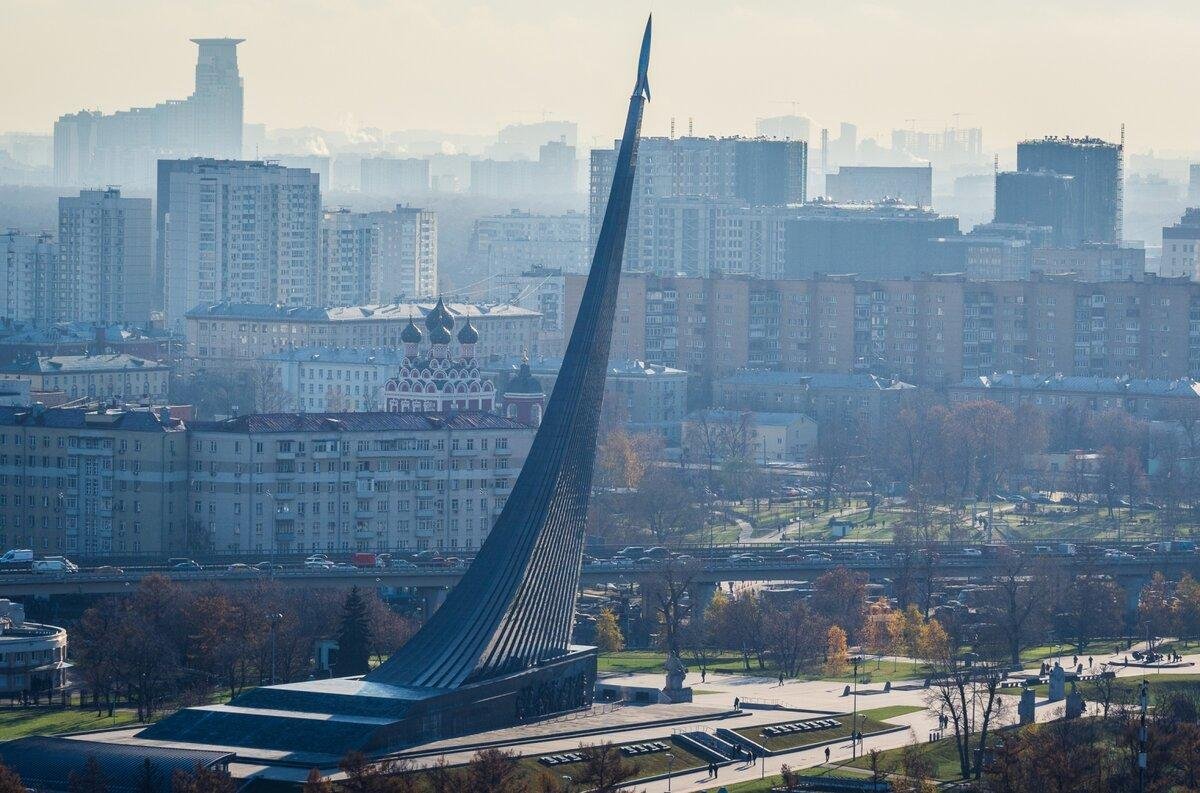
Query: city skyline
(728, 65)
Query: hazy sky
(1016, 67)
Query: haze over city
(527, 397)
(471, 67)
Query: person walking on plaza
(826, 754)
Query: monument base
(344, 714)
(674, 696)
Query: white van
(16, 556)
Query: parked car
(54, 564)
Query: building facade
(872, 184)
(1096, 168)
(377, 257)
(122, 148)
(1149, 399)
(105, 271)
(107, 376)
(1181, 247)
(29, 263)
(90, 483)
(542, 291)
(647, 397)
(241, 231)
(751, 172)
(933, 331)
(33, 657)
(392, 176)
(1093, 261)
(519, 242)
(871, 400)
(353, 481)
(229, 335)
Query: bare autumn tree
(667, 593)
(968, 692)
(789, 637)
(1089, 606)
(1018, 603)
(839, 442)
(840, 596)
(604, 768)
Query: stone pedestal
(1026, 708)
(675, 691)
(1074, 703)
(1058, 683)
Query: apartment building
(353, 481)
(1151, 399)
(519, 242)
(228, 335)
(28, 263)
(375, 257)
(89, 483)
(104, 273)
(108, 376)
(871, 400)
(243, 231)
(1093, 261)
(933, 331)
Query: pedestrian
(703, 674)
(781, 679)
(1091, 662)
(826, 754)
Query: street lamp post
(855, 661)
(670, 766)
(275, 618)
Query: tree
(494, 770)
(1092, 606)
(202, 780)
(354, 637)
(840, 595)
(742, 627)
(876, 636)
(968, 693)
(665, 505)
(1157, 608)
(608, 632)
(837, 655)
(789, 636)
(315, 783)
(604, 769)
(839, 441)
(1017, 602)
(667, 594)
(10, 782)
(90, 780)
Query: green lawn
(19, 722)
(942, 754)
(765, 785)
(780, 743)
(1126, 688)
(891, 711)
(1099, 647)
(643, 661)
(647, 765)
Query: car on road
(106, 569)
(268, 566)
(239, 567)
(971, 552)
(54, 564)
(402, 564)
(317, 564)
(187, 565)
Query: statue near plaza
(675, 691)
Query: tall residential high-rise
(875, 183)
(785, 127)
(520, 241)
(394, 176)
(751, 172)
(27, 266)
(1181, 247)
(122, 148)
(104, 272)
(377, 257)
(1041, 198)
(1096, 167)
(236, 230)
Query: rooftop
(360, 422)
(1115, 386)
(549, 365)
(763, 418)
(815, 380)
(137, 420)
(66, 364)
(379, 312)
